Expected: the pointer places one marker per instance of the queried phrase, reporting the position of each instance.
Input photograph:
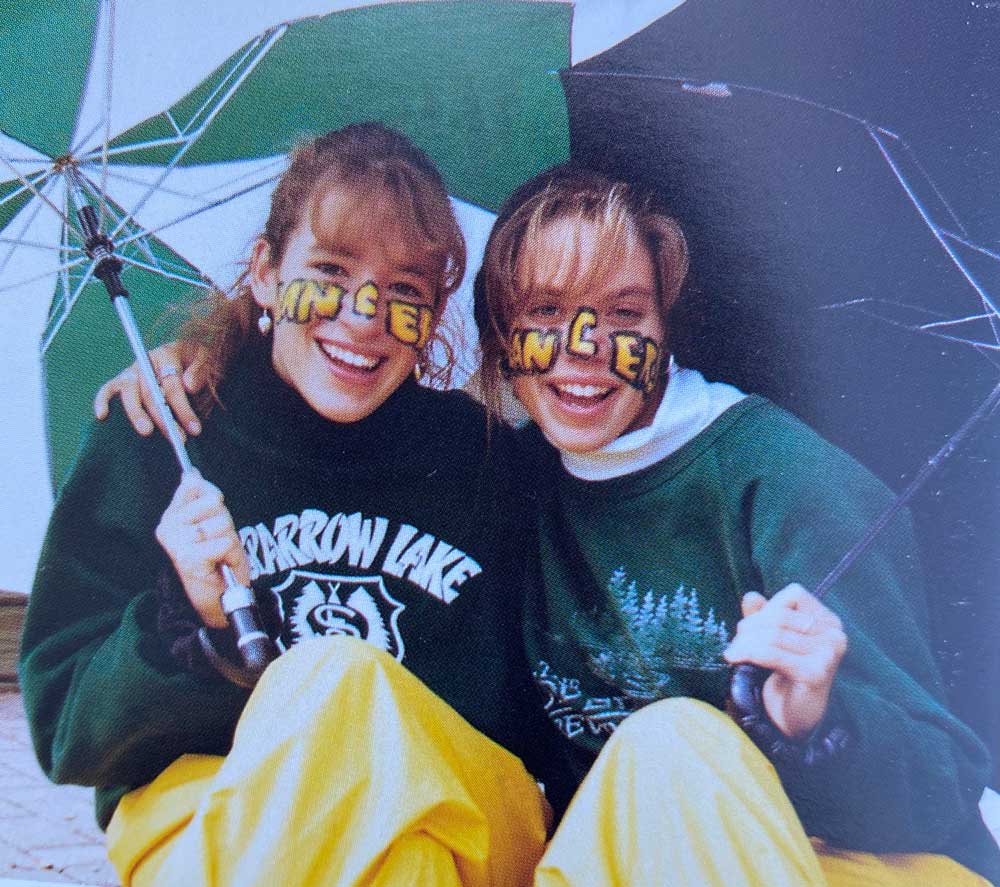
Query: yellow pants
(680, 796)
(345, 770)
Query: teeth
(583, 390)
(349, 357)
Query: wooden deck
(12, 606)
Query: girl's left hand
(802, 642)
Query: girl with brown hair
(682, 523)
(360, 507)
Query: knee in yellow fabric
(676, 725)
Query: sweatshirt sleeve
(910, 776)
(107, 704)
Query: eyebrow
(415, 271)
(624, 293)
(318, 250)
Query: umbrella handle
(746, 694)
(256, 648)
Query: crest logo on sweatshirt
(319, 604)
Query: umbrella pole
(747, 685)
(256, 648)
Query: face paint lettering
(366, 300)
(533, 350)
(409, 323)
(636, 360)
(304, 299)
(583, 323)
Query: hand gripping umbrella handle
(256, 648)
(746, 687)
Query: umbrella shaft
(932, 464)
(148, 374)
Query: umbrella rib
(41, 175)
(119, 176)
(172, 122)
(251, 49)
(34, 244)
(28, 159)
(66, 266)
(935, 230)
(39, 194)
(197, 212)
(916, 162)
(68, 304)
(92, 156)
(921, 329)
(928, 327)
(108, 84)
(666, 78)
(140, 238)
(973, 246)
(28, 222)
(84, 139)
(192, 139)
(162, 272)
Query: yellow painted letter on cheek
(366, 300)
(327, 303)
(650, 372)
(291, 300)
(409, 323)
(302, 299)
(533, 351)
(515, 355)
(626, 356)
(583, 323)
(636, 359)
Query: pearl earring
(264, 322)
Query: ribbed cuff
(826, 742)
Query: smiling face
(589, 397)
(339, 354)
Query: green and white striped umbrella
(177, 116)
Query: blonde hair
(387, 172)
(622, 214)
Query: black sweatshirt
(403, 528)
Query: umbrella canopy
(178, 117)
(826, 155)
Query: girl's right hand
(177, 382)
(197, 533)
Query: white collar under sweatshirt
(690, 404)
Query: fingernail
(194, 427)
(145, 427)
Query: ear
(263, 275)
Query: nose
(363, 311)
(582, 341)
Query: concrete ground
(47, 833)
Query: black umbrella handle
(746, 687)
(746, 693)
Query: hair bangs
(344, 215)
(569, 250)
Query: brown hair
(621, 211)
(387, 173)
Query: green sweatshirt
(643, 576)
(401, 529)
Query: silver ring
(168, 370)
